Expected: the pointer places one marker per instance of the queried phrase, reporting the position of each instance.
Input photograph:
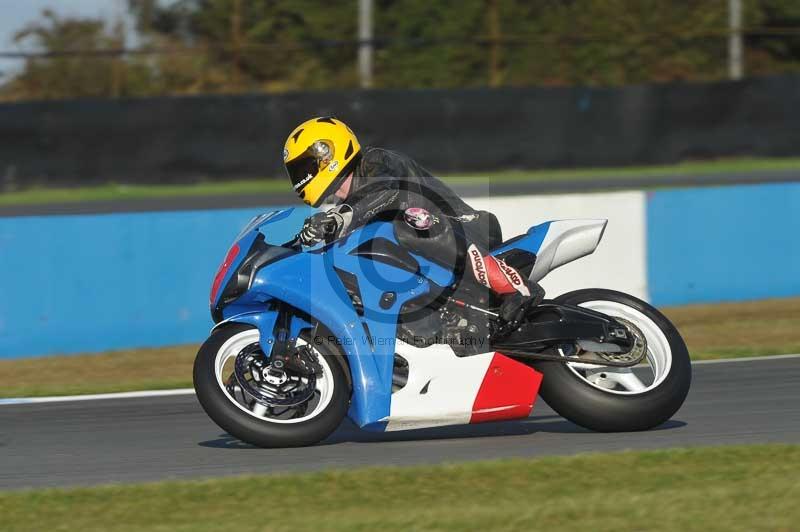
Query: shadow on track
(350, 433)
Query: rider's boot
(514, 306)
(519, 293)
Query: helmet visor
(302, 170)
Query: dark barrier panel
(226, 137)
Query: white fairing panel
(565, 241)
(441, 387)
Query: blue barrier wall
(723, 244)
(73, 284)
(89, 283)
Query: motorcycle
(372, 327)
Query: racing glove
(325, 226)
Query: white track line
(745, 359)
(190, 391)
(96, 397)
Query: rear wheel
(613, 399)
(266, 408)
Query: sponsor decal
(513, 277)
(305, 180)
(478, 265)
(381, 206)
(333, 166)
(418, 218)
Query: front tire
(241, 416)
(615, 399)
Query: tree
(261, 44)
(62, 74)
(225, 46)
(771, 53)
(431, 44)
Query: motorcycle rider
(324, 160)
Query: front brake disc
(292, 392)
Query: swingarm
(567, 333)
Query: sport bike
(373, 327)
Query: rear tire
(259, 431)
(591, 407)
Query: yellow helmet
(318, 154)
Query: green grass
(157, 368)
(727, 330)
(34, 196)
(270, 186)
(733, 330)
(715, 488)
(718, 166)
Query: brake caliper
(628, 334)
(301, 361)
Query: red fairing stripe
(508, 391)
(221, 272)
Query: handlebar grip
(293, 243)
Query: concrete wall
(89, 283)
(620, 260)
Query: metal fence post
(365, 43)
(735, 67)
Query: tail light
(222, 272)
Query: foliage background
(234, 46)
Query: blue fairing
(530, 241)
(245, 239)
(311, 282)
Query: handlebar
(294, 243)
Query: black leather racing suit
(386, 183)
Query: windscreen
(264, 219)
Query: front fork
(279, 328)
(285, 356)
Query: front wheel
(292, 410)
(614, 399)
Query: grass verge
(727, 330)
(109, 192)
(712, 488)
(718, 166)
(733, 330)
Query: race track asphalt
(143, 439)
